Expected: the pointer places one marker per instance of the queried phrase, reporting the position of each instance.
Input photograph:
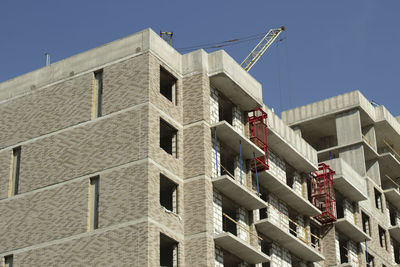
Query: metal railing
(247, 229)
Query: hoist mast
(260, 48)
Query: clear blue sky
(331, 47)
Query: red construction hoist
(323, 193)
(258, 134)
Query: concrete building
(131, 154)
(359, 140)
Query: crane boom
(260, 48)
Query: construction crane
(260, 48)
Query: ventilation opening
(168, 85)
(168, 194)
(97, 94)
(168, 252)
(168, 138)
(16, 161)
(94, 203)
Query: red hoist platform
(323, 193)
(258, 134)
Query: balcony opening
(344, 256)
(382, 237)
(168, 85)
(339, 206)
(225, 110)
(229, 216)
(378, 199)
(393, 215)
(168, 138)
(227, 157)
(263, 211)
(365, 223)
(168, 194)
(168, 251)
(266, 247)
(315, 236)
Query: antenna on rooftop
(47, 55)
(167, 36)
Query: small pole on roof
(47, 55)
(167, 36)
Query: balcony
(232, 189)
(347, 181)
(389, 164)
(229, 136)
(240, 248)
(300, 248)
(287, 194)
(393, 196)
(395, 232)
(351, 230)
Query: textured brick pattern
(125, 84)
(199, 251)
(126, 246)
(123, 195)
(5, 165)
(196, 98)
(83, 150)
(47, 215)
(46, 110)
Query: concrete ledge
(240, 248)
(369, 151)
(229, 136)
(238, 193)
(296, 151)
(395, 232)
(388, 164)
(351, 230)
(393, 196)
(347, 181)
(233, 81)
(287, 194)
(288, 241)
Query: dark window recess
(15, 170)
(370, 260)
(378, 199)
(365, 223)
(168, 194)
(94, 202)
(98, 76)
(168, 252)
(168, 85)
(382, 237)
(168, 138)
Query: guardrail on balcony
(241, 226)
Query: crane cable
(223, 43)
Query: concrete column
(217, 201)
(236, 165)
(214, 106)
(348, 127)
(237, 119)
(348, 130)
(219, 257)
(297, 183)
(370, 136)
(354, 156)
(373, 172)
(243, 220)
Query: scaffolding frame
(323, 193)
(258, 130)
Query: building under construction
(132, 154)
